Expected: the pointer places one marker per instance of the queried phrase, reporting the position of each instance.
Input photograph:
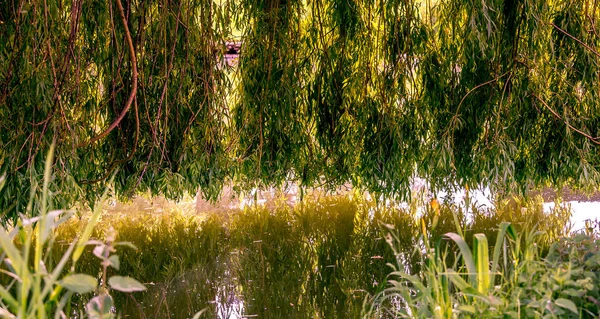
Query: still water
(277, 266)
(322, 261)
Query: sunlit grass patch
(169, 239)
(319, 258)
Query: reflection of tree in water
(273, 265)
(209, 287)
(229, 303)
(332, 238)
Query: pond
(320, 259)
(318, 264)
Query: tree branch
(576, 40)
(595, 140)
(134, 85)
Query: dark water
(278, 265)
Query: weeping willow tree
(501, 93)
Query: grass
(530, 274)
(320, 259)
(35, 285)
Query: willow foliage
(501, 93)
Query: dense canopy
(501, 93)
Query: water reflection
(317, 264)
(317, 261)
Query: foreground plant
(38, 291)
(516, 282)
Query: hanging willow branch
(595, 140)
(326, 92)
(576, 39)
(134, 86)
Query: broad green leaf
(566, 304)
(125, 284)
(100, 250)
(79, 283)
(114, 261)
(467, 256)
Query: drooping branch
(134, 85)
(577, 40)
(595, 140)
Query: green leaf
(11, 251)
(6, 314)
(200, 313)
(125, 284)
(125, 243)
(79, 283)
(99, 307)
(482, 260)
(506, 229)
(87, 232)
(467, 308)
(8, 299)
(467, 256)
(457, 280)
(114, 261)
(567, 304)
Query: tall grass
(522, 277)
(319, 259)
(34, 285)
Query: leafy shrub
(518, 281)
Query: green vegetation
(36, 286)
(320, 259)
(519, 281)
(134, 97)
(327, 92)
